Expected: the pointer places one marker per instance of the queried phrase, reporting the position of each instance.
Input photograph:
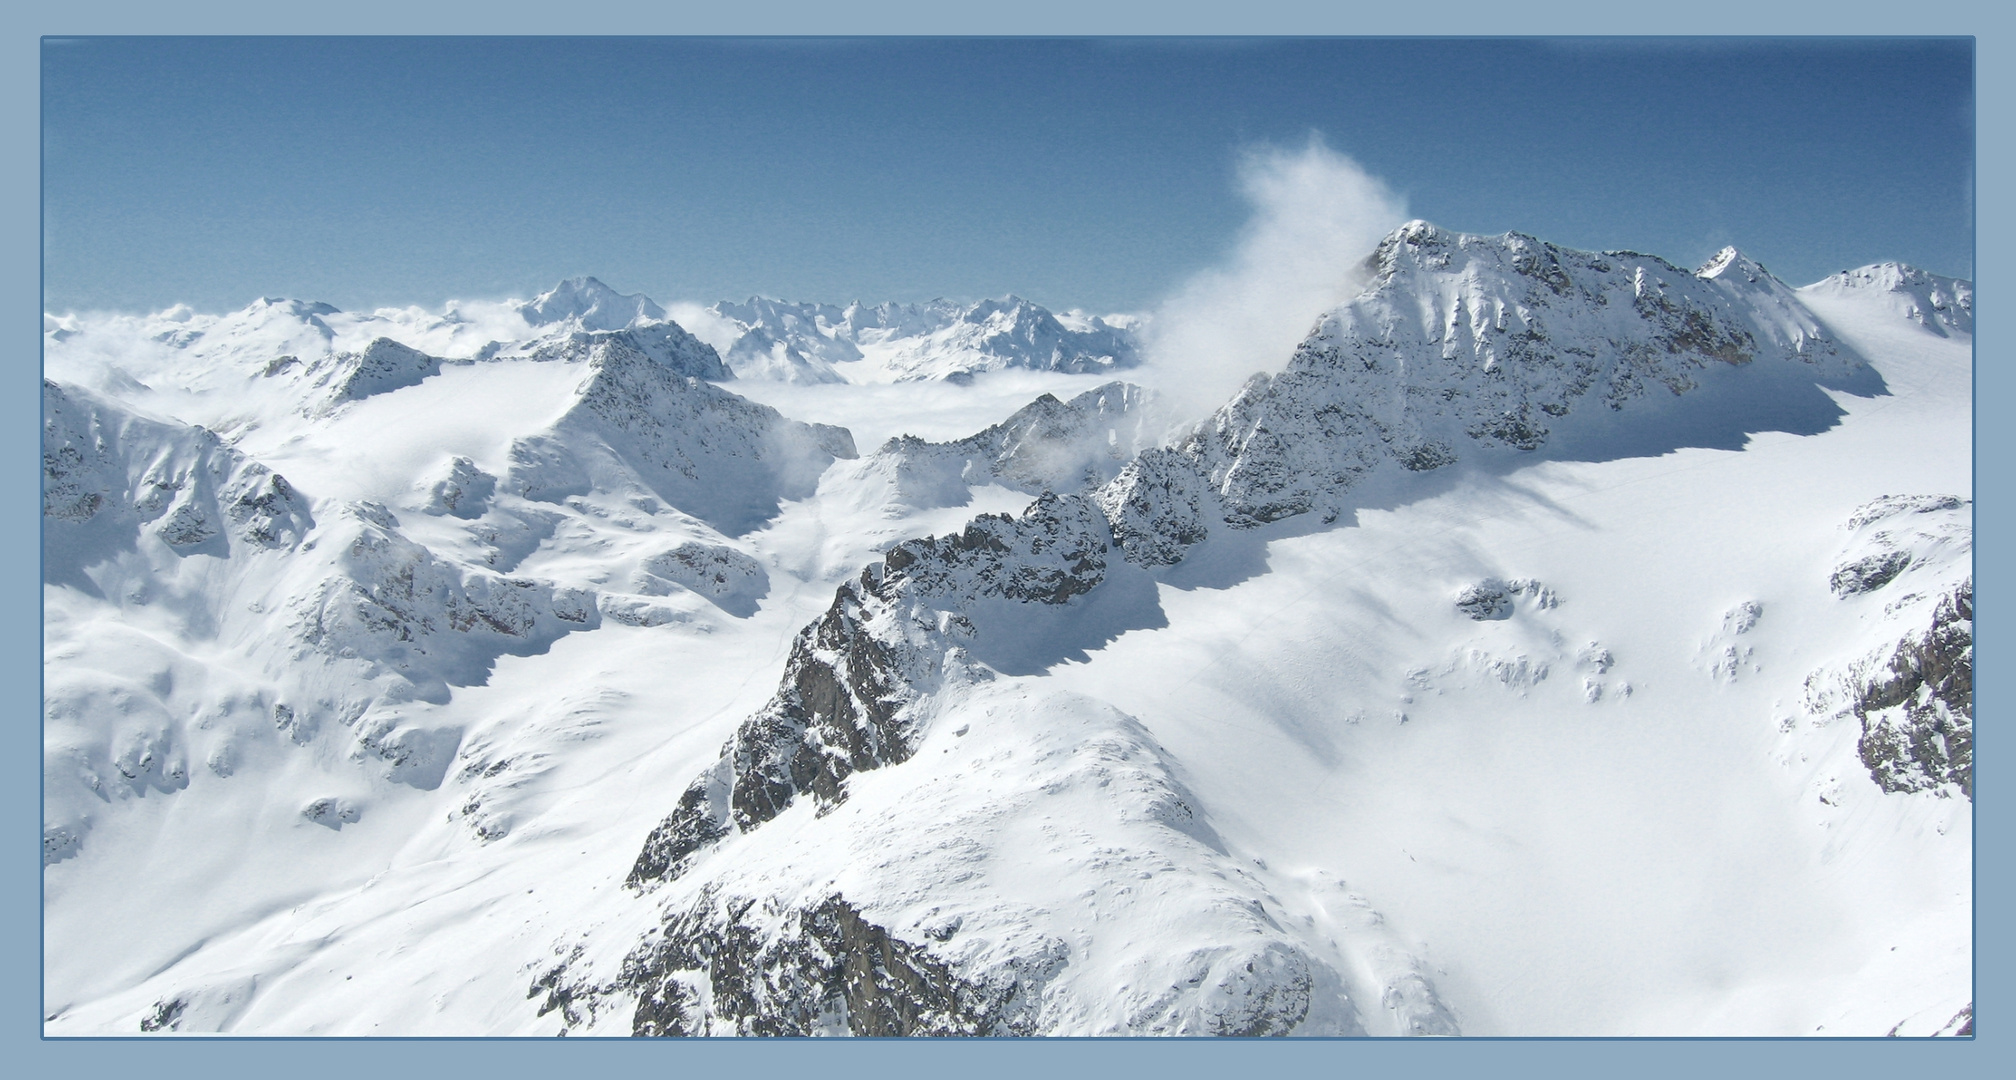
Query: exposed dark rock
(331, 813)
(727, 963)
(165, 1016)
(1158, 507)
(383, 366)
(1917, 709)
(266, 508)
(1869, 572)
(464, 492)
(1493, 598)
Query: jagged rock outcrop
(1496, 598)
(1159, 505)
(1912, 692)
(1917, 708)
(744, 966)
(464, 492)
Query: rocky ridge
(1468, 347)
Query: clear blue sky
(1096, 173)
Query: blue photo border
(20, 652)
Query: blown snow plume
(1316, 214)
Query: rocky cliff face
(1907, 572)
(726, 966)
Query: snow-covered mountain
(1558, 643)
(1942, 305)
(588, 304)
(812, 343)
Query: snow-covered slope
(809, 343)
(1560, 643)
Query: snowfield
(1556, 643)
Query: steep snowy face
(1942, 305)
(937, 340)
(638, 426)
(590, 305)
(1493, 348)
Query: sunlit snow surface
(1606, 809)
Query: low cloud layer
(1316, 216)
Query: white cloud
(1316, 216)
(704, 324)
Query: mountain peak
(1732, 264)
(301, 309)
(594, 304)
